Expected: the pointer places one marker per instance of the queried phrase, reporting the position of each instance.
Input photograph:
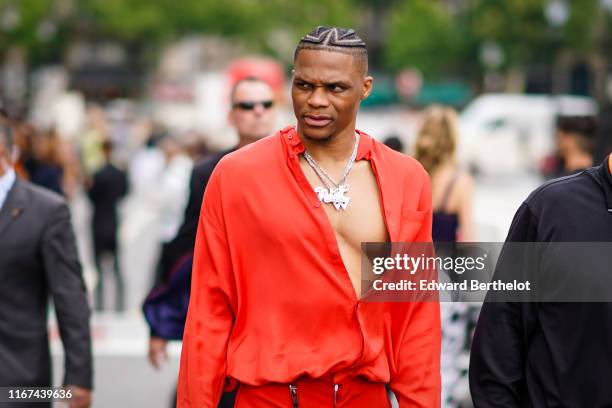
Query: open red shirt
(271, 299)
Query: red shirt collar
(293, 141)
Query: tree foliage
(441, 37)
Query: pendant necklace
(332, 192)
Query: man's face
(253, 114)
(565, 143)
(326, 91)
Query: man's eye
(336, 88)
(303, 85)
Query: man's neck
(578, 161)
(245, 140)
(610, 163)
(335, 149)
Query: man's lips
(317, 120)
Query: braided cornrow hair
(335, 39)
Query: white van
(504, 134)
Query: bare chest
(361, 221)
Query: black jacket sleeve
(497, 360)
(66, 286)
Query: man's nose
(259, 109)
(318, 98)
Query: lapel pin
(15, 212)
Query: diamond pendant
(334, 195)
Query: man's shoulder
(110, 171)
(561, 195)
(559, 188)
(251, 157)
(396, 161)
(40, 195)
(206, 165)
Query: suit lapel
(14, 206)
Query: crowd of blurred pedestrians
(110, 166)
(145, 181)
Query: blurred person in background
(452, 191)
(141, 230)
(395, 143)
(575, 143)
(275, 306)
(147, 160)
(603, 139)
(73, 177)
(46, 169)
(452, 188)
(172, 187)
(92, 138)
(253, 115)
(39, 260)
(107, 189)
(24, 138)
(195, 146)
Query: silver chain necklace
(333, 192)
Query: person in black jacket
(38, 260)
(555, 349)
(109, 186)
(253, 116)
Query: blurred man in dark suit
(38, 259)
(109, 186)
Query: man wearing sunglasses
(252, 111)
(253, 116)
(38, 260)
(277, 306)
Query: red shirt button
(317, 204)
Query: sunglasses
(248, 105)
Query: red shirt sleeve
(210, 316)
(417, 381)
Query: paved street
(122, 374)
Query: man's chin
(318, 139)
(320, 134)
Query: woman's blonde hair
(437, 139)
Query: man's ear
(230, 118)
(368, 84)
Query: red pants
(311, 393)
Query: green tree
(423, 34)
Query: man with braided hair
(277, 308)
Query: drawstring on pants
(294, 396)
(336, 388)
(293, 389)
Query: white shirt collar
(6, 183)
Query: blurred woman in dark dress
(452, 195)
